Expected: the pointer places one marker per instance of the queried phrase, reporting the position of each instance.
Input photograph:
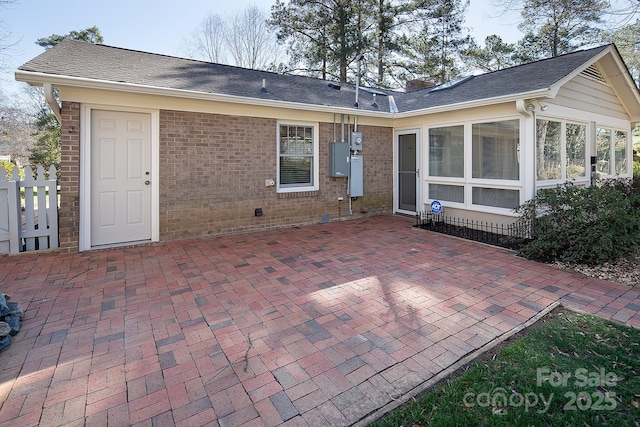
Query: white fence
(34, 225)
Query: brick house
(158, 148)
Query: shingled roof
(521, 79)
(87, 63)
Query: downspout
(51, 100)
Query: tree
(560, 26)
(495, 55)
(626, 39)
(45, 149)
(324, 36)
(437, 49)
(308, 42)
(530, 48)
(243, 39)
(17, 133)
(393, 21)
(5, 35)
(624, 12)
(208, 40)
(251, 42)
(90, 35)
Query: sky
(160, 26)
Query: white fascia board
(38, 79)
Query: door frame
(85, 171)
(396, 160)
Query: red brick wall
(213, 168)
(212, 173)
(69, 212)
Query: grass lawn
(568, 369)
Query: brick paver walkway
(321, 325)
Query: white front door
(120, 177)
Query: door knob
(147, 182)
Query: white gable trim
(614, 78)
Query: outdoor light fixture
(531, 106)
(543, 107)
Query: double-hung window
(297, 157)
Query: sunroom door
(407, 169)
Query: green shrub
(591, 225)
(8, 167)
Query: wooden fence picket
(9, 212)
(35, 227)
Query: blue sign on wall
(436, 207)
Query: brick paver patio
(320, 325)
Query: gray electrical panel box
(356, 178)
(356, 141)
(338, 159)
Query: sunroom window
(621, 152)
(611, 156)
(561, 151)
(603, 155)
(549, 150)
(488, 178)
(576, 150)
(495, 197)
(496, 149)
(446, 151)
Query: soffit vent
(593, 73)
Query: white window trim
(316, 157)
(612, 151)
(563, 153)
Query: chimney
(420, 83)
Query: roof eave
(540, 93)
(38, 79)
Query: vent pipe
(359, 59)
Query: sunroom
(486, 144)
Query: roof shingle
(77, 59)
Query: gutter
(49, 80)
(51, 100)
